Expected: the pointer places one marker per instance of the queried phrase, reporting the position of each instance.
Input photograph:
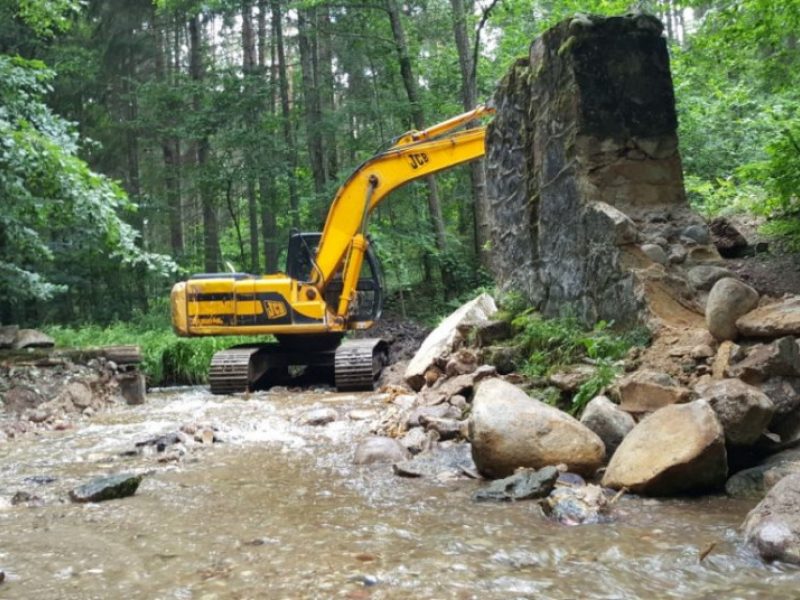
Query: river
(279, 510)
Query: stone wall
(584, 174)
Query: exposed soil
(770, 274)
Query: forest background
(143, 141)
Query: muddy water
(279, 511)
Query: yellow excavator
(332, 284)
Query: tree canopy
(145, 136)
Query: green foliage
(167, 358)
(50, 194)
(551, 345)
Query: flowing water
(280, 511)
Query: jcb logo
(275, 309)
(418, 159)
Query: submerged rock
(379, 450)
(677, 449)
(773, 526)
(441, 462)
(581, 505)
(508, 429)
(319, 416)
(107, 488)
(525, 484)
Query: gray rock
(107, 488)
(655, 253)
(703, 277)
(417, 440)
(677, 449)
(624, 230)
(773, 526)
(508, 429)
(608, 421)
(441, 462)
(379, 450)
(438, 411)
(319, 416)
(784, 393)
(525, 484)
(728, 300)
(582, 505)
(743, 411)
(756, 481)
(780, 358)
(447, 429)
(31, 338)
(8, 333)
(698, 233)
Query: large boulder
(608, 421)
(773, 526)
(677, 449)
(508, 429)
(773, 320)
(441, 340)
(780, 358)
(728, 300)
(743, 411)
(646, 391)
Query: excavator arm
(415, 154)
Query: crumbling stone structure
(584, 176)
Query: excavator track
(356, 364)
(359, 363)
(230, 371)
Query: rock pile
(45, 389)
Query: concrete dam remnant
(587, 208)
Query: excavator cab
(368, 303)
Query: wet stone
(442, 462)
(578, 505)
(107, 488)
(379, 450)
(525, 484)
(319, 416)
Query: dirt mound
(403, 336)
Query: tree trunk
(311, 86)
(169, 152)
(469, 96)
(327, 91)
(210, 225)
(266, 179)
(249, 68)
(290, 150)
(418, 116)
